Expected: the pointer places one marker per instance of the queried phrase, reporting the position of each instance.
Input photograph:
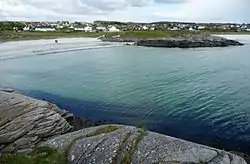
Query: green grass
(121, 148)
(129, 156)
(133, 34)
(150, 34)
(16, 36)
(41, 155)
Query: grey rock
(7, 90)
(25, 121)
(128, 145)
(188, 41)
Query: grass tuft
(129, 156)
(40, 155)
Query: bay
(202, 95)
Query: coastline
(11, 50)
(48, 116)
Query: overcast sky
(127, 10)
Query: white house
(145, 28)
(79, 28)
(152, 28)
(60, 26)
(114, 29)
(27, 28)
(88, 29)
(71, 27)
(201, 27)
(174, 28)
(101, 28)
(248, 29)
(45, 28)
(191, 29)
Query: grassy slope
(15, 36)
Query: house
(174, 28)
(201, 27)
(27, 28)
(59, 26)
(145, 28)
(45, 28)
(114, 29)
(191, 29)
(88, 29)
(71, 27)
(100, 28)
(79, 28)
(248, 30)
(152, 28)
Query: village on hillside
(112, 26)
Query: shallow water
(201, 95)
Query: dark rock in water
(9, 90)
(189, 42)
(27, 123)
(128, 44)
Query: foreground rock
(190, 41)
(26, 123)
(125, 144)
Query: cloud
(44, 9)
(210, 10)
(134, 10)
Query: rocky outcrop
(26, 123)
(117, 144)
(189, 41)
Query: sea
(200, 95)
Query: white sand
(19, 49)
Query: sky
(126, 10)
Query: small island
(182, 41)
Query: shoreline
(11, 50)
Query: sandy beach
(17, 49)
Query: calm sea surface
(201, 95)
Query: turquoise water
(201, 95)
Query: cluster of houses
(116, 27)
(85, 27)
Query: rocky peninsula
(38, 129)
(186, 41)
